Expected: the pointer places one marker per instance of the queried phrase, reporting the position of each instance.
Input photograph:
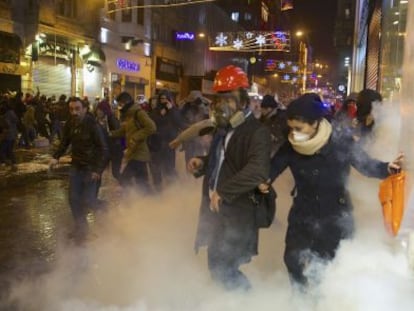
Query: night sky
(317, 17)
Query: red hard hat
(230, 78)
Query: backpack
(153, 140)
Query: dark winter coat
(246, 165)
(321, 179)
(89, 148)
(277, 124)
(169, 124)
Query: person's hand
(95, 176)
(174, 143)
(163, 111)
(263, 188)
(53, 163)
(194, 164)
(215, 201)
(396, 164)
(369, 120)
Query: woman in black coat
(320, 157)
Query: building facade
(378, 48)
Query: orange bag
(391, 195)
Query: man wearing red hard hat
(238, 161)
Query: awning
(95, 57)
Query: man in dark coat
(169, 122)
(89, 158)
(237, 163)
(320, 157)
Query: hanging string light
(123, 5)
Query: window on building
(111, 7)
(235, 16)
(140, 13)
(247, 16)
(66, 8)
(202, 18)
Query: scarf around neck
(314, 144)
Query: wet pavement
(34, 215)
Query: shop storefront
(124, 71)
(10, 68)
(52, 68)
(393, 36)
(379, 46)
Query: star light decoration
(260, 40)
(251, 41)
(237, 44)
(221, 39)
(274, 65)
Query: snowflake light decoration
(260, 40)
(286, 77)
(249, 35)
(282, 65)
(221, 39)
(238, 44)
(295, 68)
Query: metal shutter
(50, 78)
(374, 45)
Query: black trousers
(310, 241)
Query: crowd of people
(238, 143)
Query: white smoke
(142, 259)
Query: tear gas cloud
(142, 259)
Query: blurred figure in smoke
(254, 105)
(320, 157)
(275, 119)
(365, 102)
(193, 110)
(348, 110)
(238, 161)
(108, 122)
(169, 122)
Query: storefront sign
(126, 65)
(168, 70)
(13, 69)
(184, 36)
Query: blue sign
(127, 65)
(184, 35)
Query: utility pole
(303, 61)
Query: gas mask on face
(227, 119)
(226, 114)
(300, 137)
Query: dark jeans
(163, 166)
(7, 151)
(82, 194)
(228, 248)
(136, 170)
(224, 266)
(115, 156)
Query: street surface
(140, 255)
